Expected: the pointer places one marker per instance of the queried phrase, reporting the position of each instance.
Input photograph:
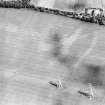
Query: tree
(25, 2)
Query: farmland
(38, 47)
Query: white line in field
(73, 38)
(69, 41)
(88, 51)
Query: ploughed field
(37, 47)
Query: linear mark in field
(93, 43)
(67, 42)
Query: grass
(30, 49)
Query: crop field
(36, 48)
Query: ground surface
(38, 47)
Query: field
(38, 47)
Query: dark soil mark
(93, 75)
(56, 52)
